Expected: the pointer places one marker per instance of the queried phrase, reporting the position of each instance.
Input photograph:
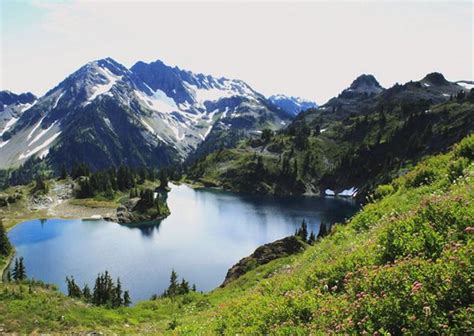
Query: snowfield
(45, 144)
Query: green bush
(422, 175)
(383, 190)
(456, 168)
(465, 148)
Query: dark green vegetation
(357, 139)
(143, 206)
(105, 183)
(402, 265)
(19, 271)
(177, 288)
(5, 246)
(106, 292)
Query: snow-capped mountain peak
(151, 113)
(293, 105)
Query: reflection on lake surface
(207, 232)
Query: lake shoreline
(179, 242)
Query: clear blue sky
(308, 49)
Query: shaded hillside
(344, 149)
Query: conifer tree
(126, 299)
(312, 238)
(5, 246)
(173, 287)
(323, 230)
(15, 270)
(73, 290)
(86, 293)
(117, 299)
(19, 270)
(184, 287)
(163, 180)
(63, 172)
(303, 231)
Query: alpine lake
(207, 232)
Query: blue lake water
(207, 232)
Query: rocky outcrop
(134, 211)
(263, 255)
(9, 199)
(125, 211)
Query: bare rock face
(263, 255)
(125, 211)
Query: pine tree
(173, 287)
(5, 246)
(183, 287)
(73, 290)
(19, 270)
(303, 231)
(163, 180)
(312, 238)
(86, 293)
(126, 299)
(117, 299)
(9, 276)
(15, 270)
(63, 173)
(323, 230)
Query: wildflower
(416, 286)
(469, 229)
(427, 311)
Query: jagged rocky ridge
(365, 136)
(151, 114)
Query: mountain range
(364, 136)
(151, 114)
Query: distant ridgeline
(223, 133)
(365, 136)
(105, 115)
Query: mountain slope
(12, 107)
(105, 114)
(403, 264)
(353, 147)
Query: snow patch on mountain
(4, 143)
(45, 144)
(468, 85)
(43, 132)
(35, 128)
(292, 105)
(158, 101)
(110, 80)
(9, 125)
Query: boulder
(263, 255)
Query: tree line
(107, 182)
(106, 292)
(310, 238)
(5, 246)
(177, 288)
(19, 271)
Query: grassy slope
(404, 263)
